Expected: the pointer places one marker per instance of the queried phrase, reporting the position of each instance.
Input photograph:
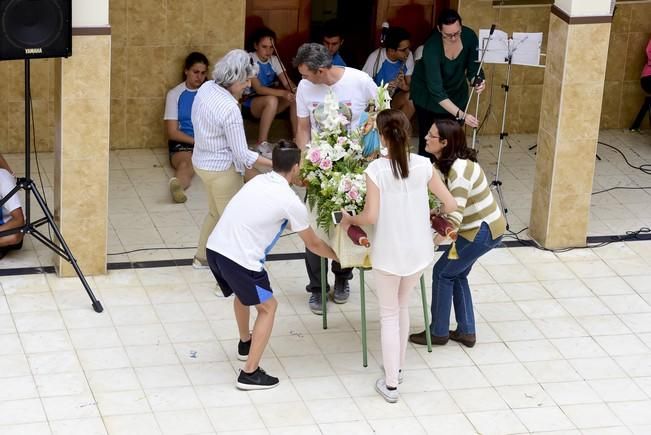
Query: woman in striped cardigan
(479, 223)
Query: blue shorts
(250, 287)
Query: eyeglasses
(431, 136)
(451, 35)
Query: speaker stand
(27, 184)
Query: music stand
(520, 49)
(27, 184)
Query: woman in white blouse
(397, 203)
(221, 154)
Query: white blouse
(402, 241)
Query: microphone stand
(497, 184)
(474, 82)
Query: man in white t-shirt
(252, 223)
(354, 89)
(11, 215)
(394, 64)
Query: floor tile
(564, 342)
(595, 415)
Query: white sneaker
(390, 396)
(265, 149)
(198, 264)
(218, 291)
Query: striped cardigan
(475, 201)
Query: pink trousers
(393, 299)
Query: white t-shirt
(7, 182)
(402, 240)
(387, 70)
(178, 107)
(354, 89)
(255, 218)
(418, 53)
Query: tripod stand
(497, 183)
(27, 184)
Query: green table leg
(324, 295)
(428, 334)
(362, 297)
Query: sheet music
(524, 47)
(497, 49)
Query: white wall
(582, 8)
(90, 13)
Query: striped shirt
(475, 201)
(219, 139)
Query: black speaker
(31, 29)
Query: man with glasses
(439, 85)
(394, 64)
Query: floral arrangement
(333, 170)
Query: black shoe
(341, 292)
(258, 380)
(421, 339)
(316, 305)
(467, 340)
(243, 348)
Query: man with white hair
(221, 154)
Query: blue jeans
(450, 283)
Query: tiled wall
(12, 113)
(81, 161)
(630, 32)
(567, 140)
(150, 39)
(525, 92)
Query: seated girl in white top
(397, 204)
(178, 123)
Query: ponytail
(394, 127)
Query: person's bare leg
(182, 163)
(264, 108)
(242, 316)
(261, 333)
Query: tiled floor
(564, 339)
(142, 216)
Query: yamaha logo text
(33, 51)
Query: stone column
(577, 52)
(82, 118)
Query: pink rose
(346, 185)
(315, 155)
(353, 193)
(325, 164)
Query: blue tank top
(185, 112)
(389, 71)
(266, 74)
(338, 60)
